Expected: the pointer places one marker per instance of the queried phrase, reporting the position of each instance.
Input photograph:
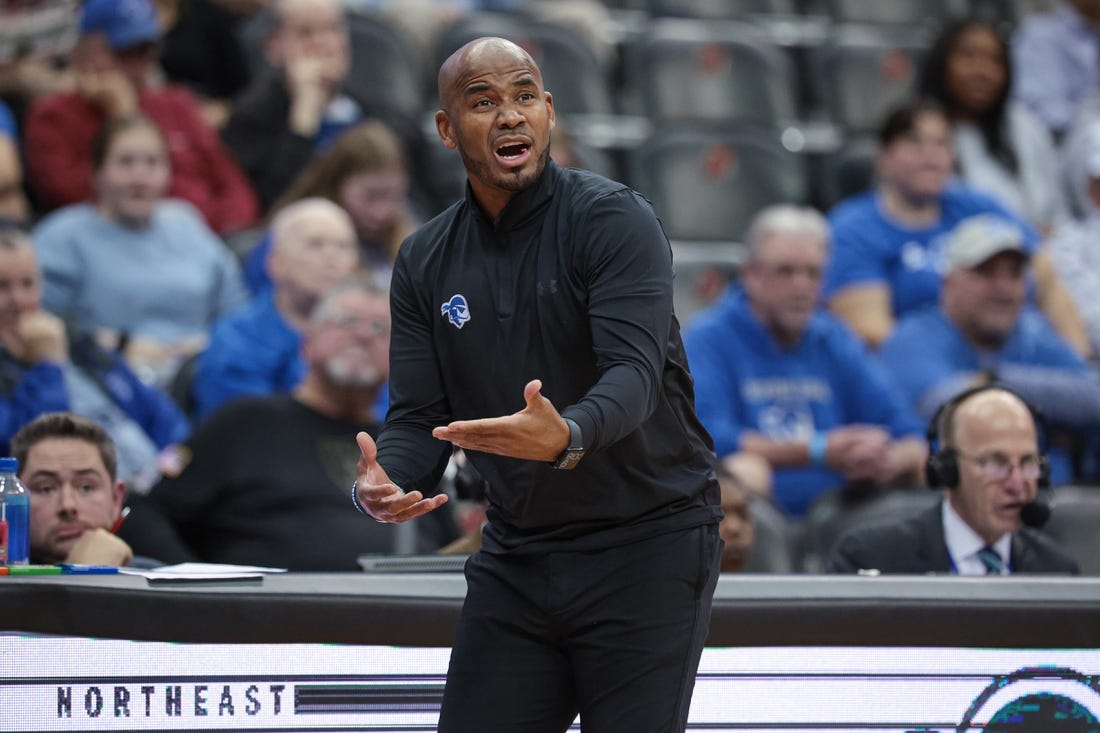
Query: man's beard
(353, 371)
(991, 336)
(515, 181)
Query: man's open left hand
(535, 433)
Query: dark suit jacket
(916, 545)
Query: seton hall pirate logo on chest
(457, 310)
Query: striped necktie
(991, 559)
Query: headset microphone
(1036, 513)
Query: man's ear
(443, 127)
(119, 495)
(550, 109)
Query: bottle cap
(9, 465)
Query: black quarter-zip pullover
(570, 284)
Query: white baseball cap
(977, 238)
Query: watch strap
(574, 450)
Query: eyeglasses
(998, 467)
(373, 326)
(787, 271)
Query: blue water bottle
(15, 510)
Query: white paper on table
(200, 571)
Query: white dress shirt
(963, 544)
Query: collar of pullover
(524, 205)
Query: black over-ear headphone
(941, 470)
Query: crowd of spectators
(193, 177)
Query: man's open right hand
(383, 499)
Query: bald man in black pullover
(549, 291)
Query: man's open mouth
(513, 154)
(513, 150)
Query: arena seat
(694, 70)
(571, 70)
(862, 73)
(846, 171)
(707, 183)
(720, 9)
(1075, 522)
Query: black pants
(614, 635)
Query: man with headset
(985, 453)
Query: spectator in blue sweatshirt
(257, 350)
(46, 367)
(777, 376)
(982, 331)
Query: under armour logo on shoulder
(456, 310)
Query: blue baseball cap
(126, 23)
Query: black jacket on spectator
(203, 52)
(267, 481)
(272, 156)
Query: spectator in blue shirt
(982, 331)
(888, 241)
(780, 378)
(257, 350)
(45, 367)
